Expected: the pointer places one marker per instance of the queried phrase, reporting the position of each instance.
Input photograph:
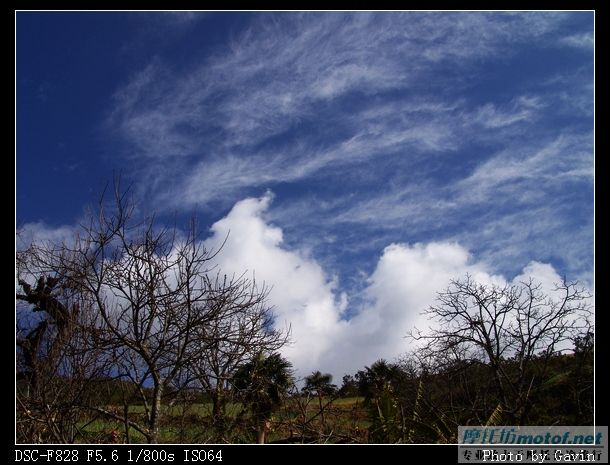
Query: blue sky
(357, 154)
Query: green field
(343, 418)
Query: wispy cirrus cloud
(520, 109)
(519, 204)
(583, 41)
(283, 73)
(521, 172)
(401, 130)
(405, 125)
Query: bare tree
(58, 363)
(508, 327)
(158, 312)
(242, 328)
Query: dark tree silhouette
(262, 385)
(508, 327)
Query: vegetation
(262, 385)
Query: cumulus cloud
(303, 296)
(306, 298)
(404, 282)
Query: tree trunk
(321, 410)
(155, 412)
(498, 380)
(260, 434)
(126, 419)
(218, 405)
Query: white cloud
(303, 296)
(583, 41)
(404, 282)
(520, 109)
(411, 129)
(545, 275)
(521, 171)
(42, 233)
(233, 100)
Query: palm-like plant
(320, 385)
(381, 376)
(262, 384)
(378, 384)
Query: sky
(356, 161)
